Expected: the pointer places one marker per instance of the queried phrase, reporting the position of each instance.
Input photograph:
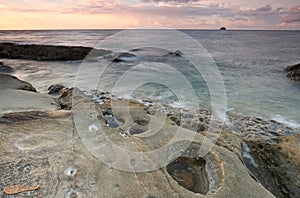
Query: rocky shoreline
(43, 155)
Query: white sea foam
(247, 155)
(128, 59)
(285, 121)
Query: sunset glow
(119, 14)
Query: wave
(285, 121)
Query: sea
(239, 71)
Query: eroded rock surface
(48, 151)
(45, 148)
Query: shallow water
(250, 62)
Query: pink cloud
(293, 15)
(169, 1)
(169, 13)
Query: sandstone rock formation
(45, 152)
(48, 152)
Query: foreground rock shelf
(47, 152)
(42, 153)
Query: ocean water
(250, 65)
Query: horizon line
(204, 29)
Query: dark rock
(176, 53)
(55, 89)
(293, 71)
(5, 68)
(295, 75)
(107, 111)
(292, 67)
(12, 82)
(47, 52)
(201, 127)
(68, 95)
(65, 99)
(113, 122)
(223, 28)
(175, 118)
(137, 129)
(124, 57)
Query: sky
(123, 14)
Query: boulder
(12, 82)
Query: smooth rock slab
(63, 167)
(19, 100)
(12, 82)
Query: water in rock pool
(251, 64)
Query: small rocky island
(223, 28)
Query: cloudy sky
(193, 14)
